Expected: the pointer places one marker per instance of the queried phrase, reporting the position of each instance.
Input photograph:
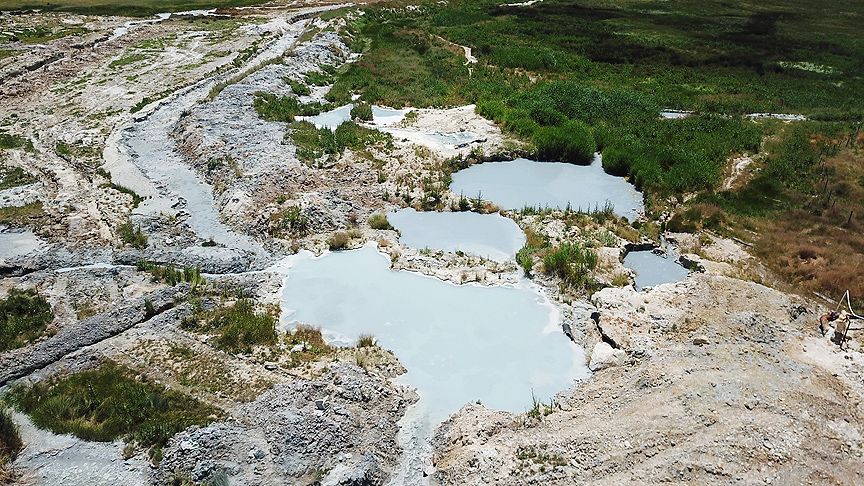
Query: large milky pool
(522, 182)
(490, 236)
(459, 343)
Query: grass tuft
(24, 315)
(109, 403)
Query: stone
(605, 356)
(700, 340)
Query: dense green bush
(312, 143)
(362, 111)
(570, 142)
(24, 315)
(110, 403)
(236, 328)
(572, 263)
(379, 221)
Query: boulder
(605, 356)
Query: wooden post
(849, 219)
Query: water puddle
(675, 114)
(381, 116)
(19, 243)
(459, 343)
(489, 236)
(654, 269)
(330, 119)
(522, 182)
(126, 27)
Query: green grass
(290, 221)
(40, 33)
(366, 341)
(602, 70)
(21, 215)
(12, 141)
(24, 315)
(571, 262)
(126, 8)
(379, 221)
(299, 88)
(236, 328)
(10, 444)
(172, 275)
(284, 108)
(132, 235)
(313, 143)
(14, 177)
(362, 111)
(126, 60)
(109, 403)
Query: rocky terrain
(147, 152)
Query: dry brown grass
(814, 248)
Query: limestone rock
(605, 356)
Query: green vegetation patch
(14, 177)
(24, 315)
(126, 8)
(40, 33)
(572, 263)
(12, 141)
(307, 344)
(21, 215)
(131, 234)
(172, 275)
(108, 403)
(10, 444)
(238, 327)
(572, 76)
(283, 108)
(313, 143)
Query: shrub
(24, 315)
(11, 141)
(10, 443)
(110, 403)
(365, 341)
(570, 142)
(339, 240)
(311, 342)
(276, 108)
(299, 88)
(132, 235)
(237, 328)
(362, 111)
(14, 177)
(379, 221)
(571, 262)
(290, 220)
(173, 275)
